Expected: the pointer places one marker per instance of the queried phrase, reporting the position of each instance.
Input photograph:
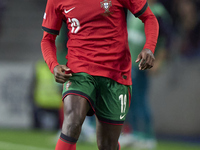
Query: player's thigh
(107, 135)
(75, 108)
(78, 97)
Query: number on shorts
(123, 99)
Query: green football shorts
(108, 99)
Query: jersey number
(123, 100)
(75, 24)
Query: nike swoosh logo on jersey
(122, 116)
(66, 11)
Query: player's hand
(146, 59)
(60, 74)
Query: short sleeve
(52, 19)
(137, 7)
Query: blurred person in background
(169, 5)
(46, 98)
(47, 107)
(139, 116)
(61, 41)
(187, 40)
(99, 59)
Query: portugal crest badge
(68, 85)
(106, 4)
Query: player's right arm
(49, 54)
(52, 22)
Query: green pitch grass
(45, 140)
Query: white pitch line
(12, 146)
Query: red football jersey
(97, 42)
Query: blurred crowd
(186, 22)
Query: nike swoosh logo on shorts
(66, 11)
(122, 116)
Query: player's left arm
(151, 27)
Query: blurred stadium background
(174, 95)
